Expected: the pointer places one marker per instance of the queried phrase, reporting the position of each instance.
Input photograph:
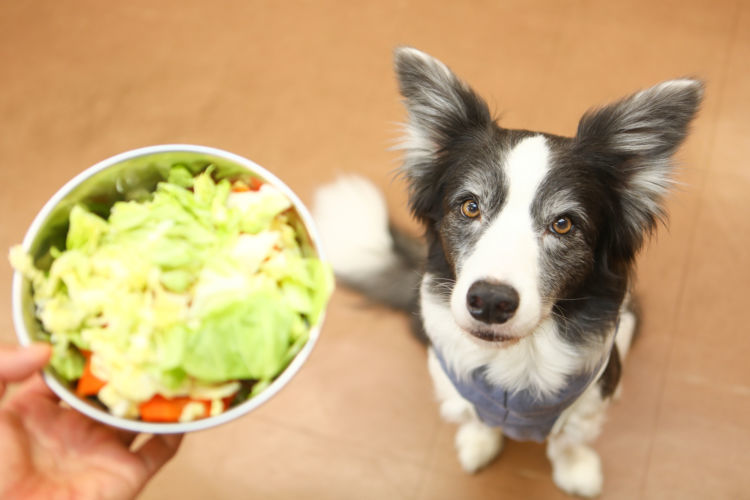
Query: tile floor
(306, 89)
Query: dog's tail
(367, 252)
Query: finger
(17, 363)
(34, 390)
(158, 450)
(126, 437)
(36, 386)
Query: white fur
(639, 121)
(444, 96)
(415, 143)
(453, 407)
(427, 59)
(353, 223)
(625, 331)
(352, 220)
(508, 251)
(540, 361)
(477, 444)
(576, 468)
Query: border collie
(521, 282)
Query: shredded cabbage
(180, 295)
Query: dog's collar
(524, 415)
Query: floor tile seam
(733, 389)
(527, 473)
(369, 451)
(428, 467)
(733, 429)
(731, 49)
(698, 210)
(350, 443)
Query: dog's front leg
(576, 467)
(476, 443)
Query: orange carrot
(227, 401)
(89, 384)
(241, 186)
(161, 409)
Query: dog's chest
(523, 414)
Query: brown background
(306, 89)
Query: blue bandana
(523, 414)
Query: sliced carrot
(161, 409)
(89, 384)
(242, 186)
(227, 401)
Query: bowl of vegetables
(180, 287)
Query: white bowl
(125, 176)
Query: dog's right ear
(441, 109)
(632, 142)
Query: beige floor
(306, 89)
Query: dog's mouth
(491, 336)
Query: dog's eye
(470, 209)
(562, 225)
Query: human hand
(53, 452)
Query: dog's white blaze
(508, 252)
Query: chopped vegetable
(89, 384)
(241, 187)
(161, 409)
(179, 296)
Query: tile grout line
(429, 464)
(691, 241)
(308, 431)
(425, 465)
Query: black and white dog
(522, 282)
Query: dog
(521, 283)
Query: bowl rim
(139, 426)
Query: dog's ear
(631, 143)
(441, 109)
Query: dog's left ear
(631, 143)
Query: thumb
(18, 363)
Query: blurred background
(306, 89)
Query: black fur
(609, 180)
(633, 136)
(610, 378)
(586, 272)
(398, 285)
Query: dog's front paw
(477, 445)
(578, 471)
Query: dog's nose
(492, 302)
